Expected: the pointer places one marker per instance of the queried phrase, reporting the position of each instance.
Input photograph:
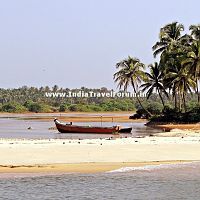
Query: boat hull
(62, 128)
(125, 130)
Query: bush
(117, 105)
(169, 110)
(38, 107)
(13, 107)
(63, 108)
(95, 108)
(195, 109)
(154, 108)
(73, 108)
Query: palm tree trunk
(138, 99)
(161, 97)
(198, 93)
(184, 103)
(175, 101)
(179, 101)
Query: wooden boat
(125, 130)
(69, 128)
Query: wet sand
(79, 167)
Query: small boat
(125, 130)
(69, 128)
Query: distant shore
(76, 116)
(94, 155)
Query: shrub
(73, 108)
(38, 107)
(154, 108)
(63, 108)
(13, 107)
(195, 109)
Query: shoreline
(82, 167)
(122, 117)
(170, 126)
(94, 155)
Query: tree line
(33, 99)
(175, 76)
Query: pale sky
(74, 43)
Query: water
(164, 182)
(18, 128)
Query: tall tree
(169, 37)
(195, 31)
(154, 81)
(194, 56)
(182, 82)
(192, 62)
(130, 72)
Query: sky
(75, 43)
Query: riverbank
(94, 155)
(76, 116)
(170, 126)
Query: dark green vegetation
(33, 99)
(175, 77)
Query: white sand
(31, 152)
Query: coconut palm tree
(130, 72)
(170, 37)
(182, 82)
(154, 81)
(194, 56)
(195, 31)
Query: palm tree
(195, 31)
(154, 81)
(130, 72)
(170, 37)
(182, 82)
(194, 56)
(192, 62)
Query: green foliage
(13, 107)
(195, 109)
(173, 115)
(34, 100)
(155, 108)
(118, 105)
(73, 108)
(95, 108)
(37, 107)
(62, 108)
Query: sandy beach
(94, 155)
